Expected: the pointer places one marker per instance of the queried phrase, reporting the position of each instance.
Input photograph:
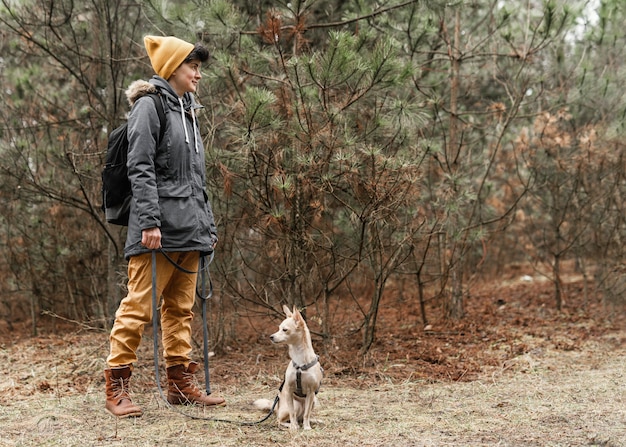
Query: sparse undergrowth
(513, 373)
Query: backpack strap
(158, 102)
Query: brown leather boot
(118, 401)
(182, 388)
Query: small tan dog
(303, 378)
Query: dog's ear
(297, 315)
(287, 311)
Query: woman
(170, 210)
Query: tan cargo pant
(177, 290)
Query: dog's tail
(263, 404)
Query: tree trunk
(556, 271)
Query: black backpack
(116, 190)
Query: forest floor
(513, 372)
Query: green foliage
(342, 139)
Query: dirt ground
(514, 372)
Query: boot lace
(188, 388)
(121, 388)
(191, 383)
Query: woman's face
(186, 77)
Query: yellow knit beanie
(166, 53)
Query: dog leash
(204, 274)
(155, 335)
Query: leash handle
(205, 277)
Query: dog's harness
(298, 392)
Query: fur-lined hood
(138, 89)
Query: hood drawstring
(195, 133)
(193, 117)
(182, 117)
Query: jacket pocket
(178, 215)
(174, 190)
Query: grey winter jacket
(168, 182)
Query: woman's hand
(151, 238)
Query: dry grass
(51, 394)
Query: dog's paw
(283, 425)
